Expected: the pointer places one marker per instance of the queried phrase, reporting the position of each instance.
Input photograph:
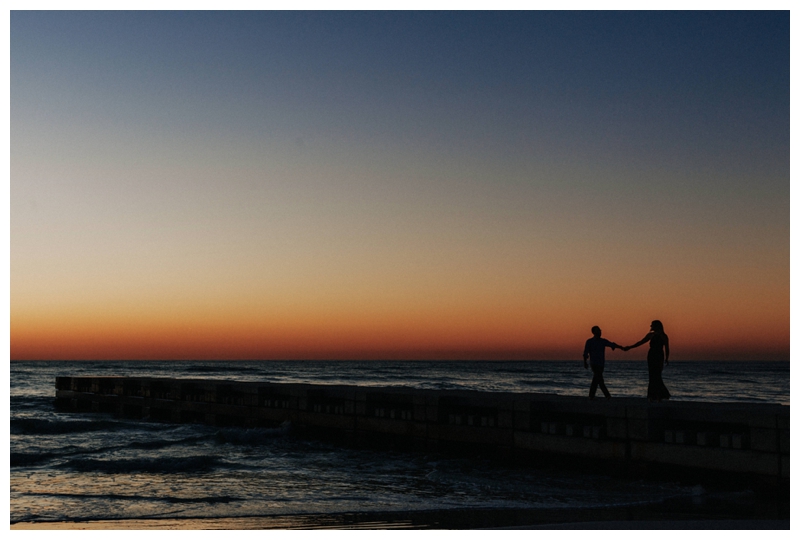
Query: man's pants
(597, 380)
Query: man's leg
(598, 373)
(593, 387)
(597, 380)
(603, 387)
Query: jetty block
(726, 438)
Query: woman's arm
(666, 349)
(644, 340)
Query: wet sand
(682, 513)
(191, 524)
(272, 523)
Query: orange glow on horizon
(514, 334)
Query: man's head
(596, 331)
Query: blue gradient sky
(398, 184)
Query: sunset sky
(398, 185)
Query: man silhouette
(595, 351)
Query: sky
(398, 185)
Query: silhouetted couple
(657, 358)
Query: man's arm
(586, 355)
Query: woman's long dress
(656, 389)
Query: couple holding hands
(657, 358)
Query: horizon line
(379, 360)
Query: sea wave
(252, 436)
(46, 426)
(215, 499)
(164, 443)
(229, 368)
(159, 465)
(25, 402)
(27, 459)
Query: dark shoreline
(708, 511)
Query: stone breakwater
(723, 439)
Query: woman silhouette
(657, 358)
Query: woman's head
(657, 326)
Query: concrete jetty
(745, 439)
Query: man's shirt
(596, 349)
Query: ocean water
(83, 467)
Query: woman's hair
(657, 326)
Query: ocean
(68, 467)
